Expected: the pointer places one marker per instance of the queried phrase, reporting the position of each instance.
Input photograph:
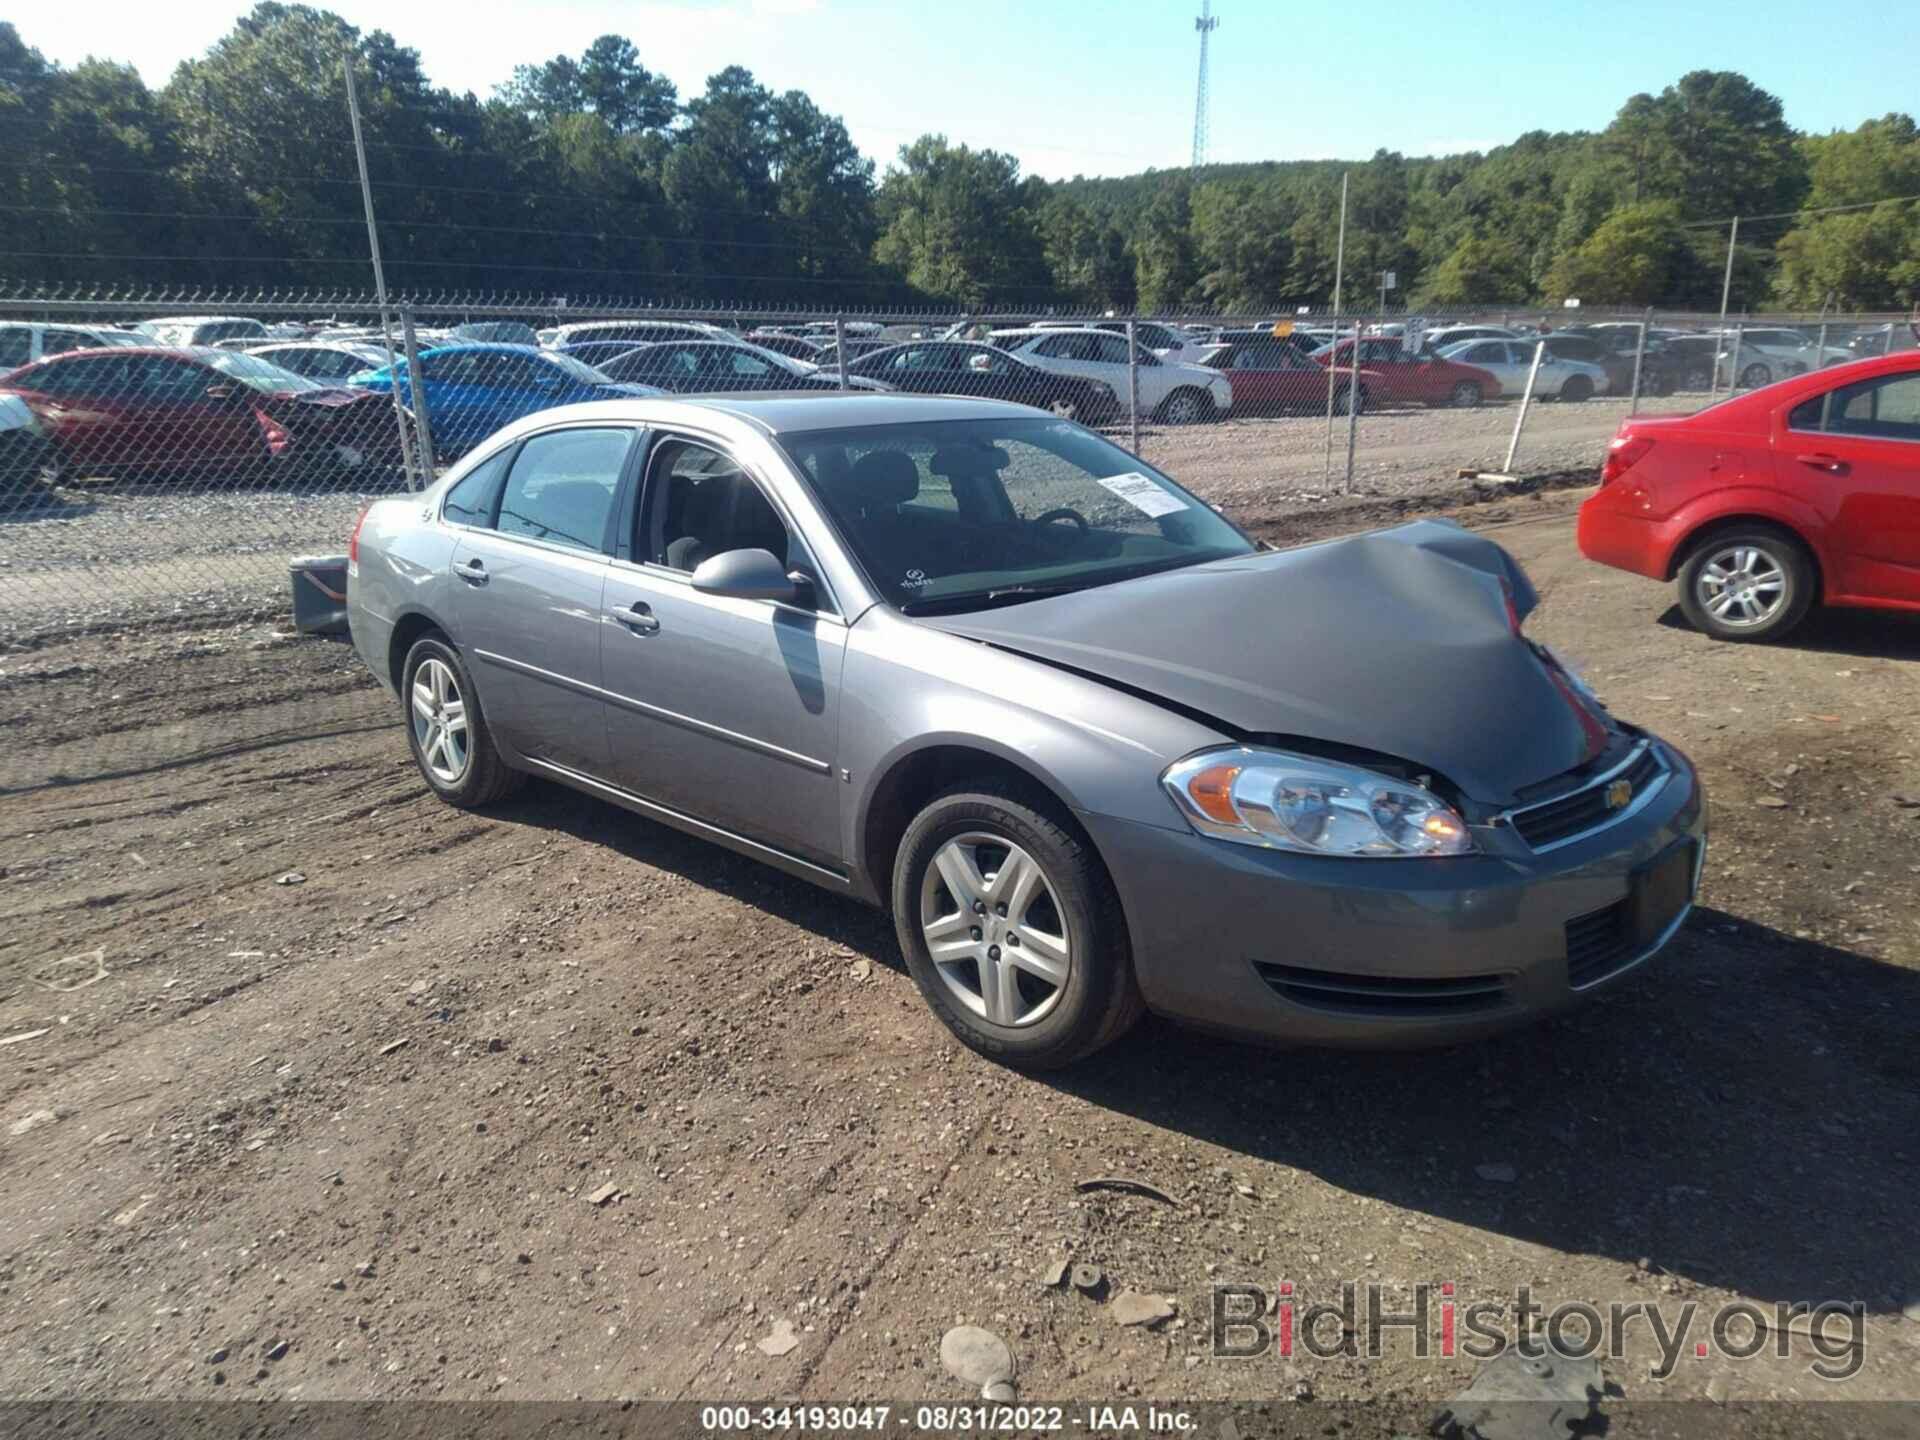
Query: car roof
(486, 347)
(787, 414)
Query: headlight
(1312, 807)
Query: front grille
(1599, 944)
(1385, 994)
(1567, 817)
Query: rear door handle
(638, 617)
(474, 572)
(1819, 460)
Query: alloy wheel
(440, 722)
(1466, 394)
(1183, 408)
(1742, 586)
(994, 929)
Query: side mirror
(747, 575)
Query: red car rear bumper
(1614, 531)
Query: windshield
(965, 514)
(576, 368)
(252, 370)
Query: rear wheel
(1349, 399)
(1465, 394)
(1749, 583)
(1186, 407)
(1577, 388)
(1011, 929)
(446, 730)
(1756, 375)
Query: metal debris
(1055, 1275)
(1089, 1280)
(292, 877)
(393, 1045)
(1521, 1397)
(1127, 1185)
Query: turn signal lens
(1212, 791)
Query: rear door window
(562, 486)
(1884, 408)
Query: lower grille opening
(1598, 944)
(1412, 995)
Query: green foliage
(590, 173)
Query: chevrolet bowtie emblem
(1619, 794)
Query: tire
(1465, 395)
(1756, 551)
(483, 778)
(1663, 382)
(1340, 406)
(1756, 375)
(1698, 377)
(1034, 1023)
(1186, 406)
(1577, 389)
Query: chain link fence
(164, 457)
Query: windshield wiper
(988, 599)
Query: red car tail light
(1623, 453)
(353, 539)
(273, 432)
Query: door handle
(638, 617)
(474, 572)
(1819, 460)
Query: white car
(187, 331)
(1769, 355)
(1437, 340)
(1510, 360)
(22, 343)
(1170, 390)
(1169, 342)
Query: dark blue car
(472, 390)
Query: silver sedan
(1560, 377)
(1094, 749)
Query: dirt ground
(356, 1136)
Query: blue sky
(1106, 86)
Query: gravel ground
(552, 1102)
(94, 555)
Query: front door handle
(474, 572)
(1819, 460)
(637, 617)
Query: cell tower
(1206, 24)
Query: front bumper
(1392, 953)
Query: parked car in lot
(1806, 491)
(189, 331)
(959, 367)
(1657, 375)
(794, 347)
(473, 390)
(1170, 391)
(855, 347)
(1693, 359)
(1270, 376)
(1762, 356)
(1510, 362)
(1421, 379)
(199, 411)
(986, 670)
(22, 343)
(502, 332)
(686, 367)
(638, 332)
(1437, 340)
(328, 360)
(26, 457)
(597, 352)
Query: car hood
(1400, 642)
(620, 389)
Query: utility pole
(1339, 266)
(400, 416)
(1726, 289)
(1206, 24)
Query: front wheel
(447, 732)
(1747, 584)
(1577, 389)
(1756, 375)
(1011, 929)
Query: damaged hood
(1397, 642)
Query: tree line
(592, 174)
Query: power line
(1796, 214)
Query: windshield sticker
(915, 580)
(1144, 493)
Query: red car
(1423, 379)
(1269, 375)
(1805, 491)
(150, 410)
